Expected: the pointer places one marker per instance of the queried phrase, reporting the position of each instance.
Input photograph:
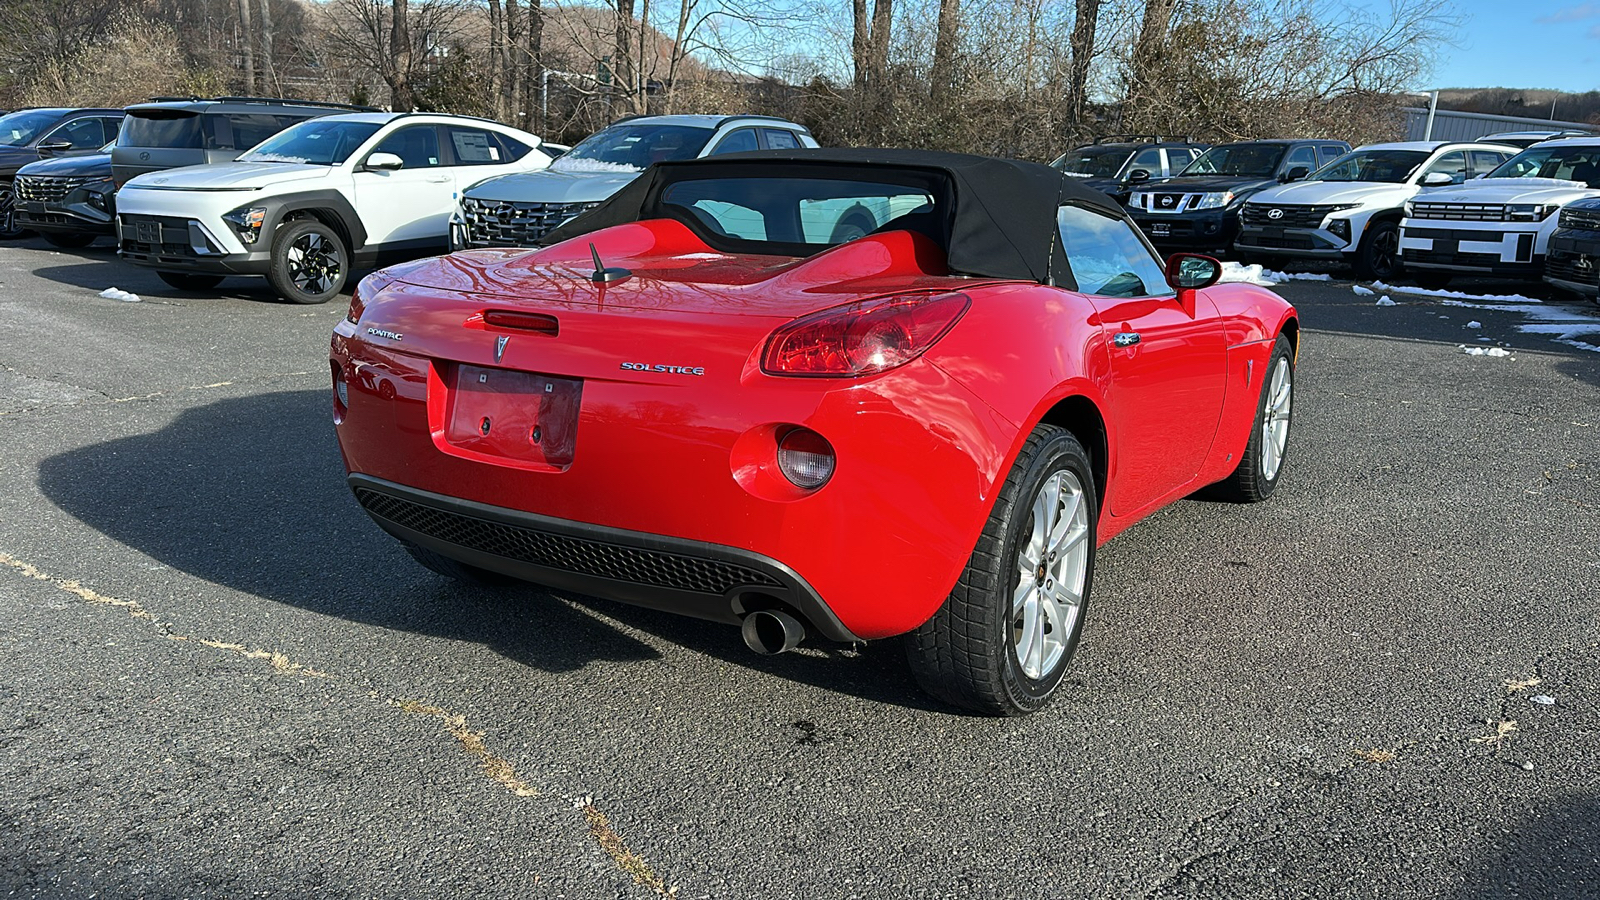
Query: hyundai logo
(1274, 213)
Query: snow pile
(578, 166)
(1385, 301)
(1562, 324)
(112, 293)
(1296, 276)
(1484, 351)
(1361, 291)
(1234, 273)
(1457, 295)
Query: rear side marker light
(805, 458)
(865, 337)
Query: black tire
(9, 229)
(967, 653)
(857, 222)
(1433, 281)
(1257, 475)
(190, 281)
(455, 569)
(310, 264)
(68, 240)
(1378, 256)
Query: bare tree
(247, 41)
(269, 70)
(622, 60)
(1083, 28)
(944, 48)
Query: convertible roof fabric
(1000, 219)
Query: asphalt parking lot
(221, 680)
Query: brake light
(865, 337)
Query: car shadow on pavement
(96, 276)
(1551, 854)
(249, 493)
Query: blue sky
(1528, 44)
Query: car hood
(551, 186)
(1512, 190)
(92, 165)
(1309, 193)
(232, 176)
(1209, 184)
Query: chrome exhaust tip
(769, 632)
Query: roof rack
(1146, 138)
(286, 101)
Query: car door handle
(1126, 338)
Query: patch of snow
(1385, 301)
(592, 167)
(1562, 324)
(1361, 291)
(1295, 276)
(1474, 324)
(112, 293)
(1544, 700)
(1234, 273)
(1485, 351)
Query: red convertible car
(851, 394)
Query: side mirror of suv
(54, 147)
(1437, 179)
(1138, 176)
(379, 161)
(1294, 174)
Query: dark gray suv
(29, 135)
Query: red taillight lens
(805, 458)
(863, 338)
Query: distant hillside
(1535, 103)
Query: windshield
(1252, 160)
(319, 142)
(1104, 162)
(1388, 166)
(632, 148)
(20, 128)
(813, 212)
(1569, 163)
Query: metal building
(1454, 125)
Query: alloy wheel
(1385, 247)
(1275, 419)
(315, 264)
(1052, 572)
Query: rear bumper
(693, 578)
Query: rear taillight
(865, 337)
(805, 458)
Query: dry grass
(600, 829)
(497, 768)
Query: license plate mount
(148, 232)
(522, 416)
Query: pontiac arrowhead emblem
(500, 346)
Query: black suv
(29, 135)
(1572, 261)
(69, 201)
(1116, 165)
(170, 132)
(1199, 208)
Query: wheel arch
(1290, 328)
(1080, 416)
(329, 207)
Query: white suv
(1350, 209)
(317, 200)
(1499, 225)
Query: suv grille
(1572, 267)
(565, 552)
(47, 188)
(1289, 216)
(1585, 219)
(503, 223)
(1460, 212)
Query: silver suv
(518, 210)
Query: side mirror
(54, 146)
(1191, 271)
(1138, 176)
(384, 161)
(1294, 174)
(1437, 179)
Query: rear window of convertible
(794, 216)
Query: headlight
(1530, 212)
(1138, 201)
(98, 193)
(1339, 228)
(247, 222)
(1214, 201)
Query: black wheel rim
(315, 264)
(8, 209)
(1385, 246)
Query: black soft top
(1000, 214)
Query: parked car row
(1429, 210)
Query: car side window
(474, 147)
(780, 139)
(1453, 164)
(1177, 159)
(1331, 152)
(1303, 155)
(417, 146)
(736, 142)
(1106, 258)
(1485, 161)
(1149, 160)
(83, 134)
(513, 148)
